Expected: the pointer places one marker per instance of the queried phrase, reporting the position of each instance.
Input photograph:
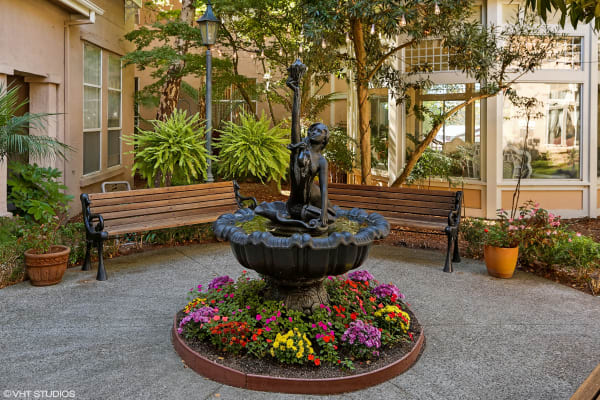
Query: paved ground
(524, 338)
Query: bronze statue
(308, 208)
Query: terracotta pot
(500, 261)
(47, 269)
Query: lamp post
(209, 24)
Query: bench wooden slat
(213, 213)
(411, 223)
(170, 189)
(374, 207)
(446, 193)
(158, 203)
(167, 209)
(159, 224)
(408, 203)
(132, 199)
(391, 195)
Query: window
(566, 55)
(92, 106)
(231, 103)
(428, 56)
(114, 111)
(380, 126)
(553, 144)
(460, 136)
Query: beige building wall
(42, 41)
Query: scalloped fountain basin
(296, 265)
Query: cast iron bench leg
(456, 257)
(448, 263)
(101, 270)
(87, 263)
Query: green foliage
(339, 150)
(253, 149)
(543, 239)
(37, 193)
(173, 152)
(472, 232)
(433, 163)
(14, 137)
(586, 11)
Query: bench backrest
(396, 203)
(146, 205)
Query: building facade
(65, 55)
(561, 160)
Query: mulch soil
(268, 366)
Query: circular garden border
(265, 383)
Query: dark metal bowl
(300, 258)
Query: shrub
(472, 232)
(36, 192)
(173, 152)
(339, 150)
(252, 149)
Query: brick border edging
(232, 377)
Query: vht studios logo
(39, 394)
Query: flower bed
(363, 320)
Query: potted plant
(501, 245)
(46, 260)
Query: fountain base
(305, 297)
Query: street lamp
(209, 25)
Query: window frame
(120, 127)
(100, 127)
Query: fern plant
(253, 149)
(173, 152)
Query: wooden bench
(107, 215)
(427, 211)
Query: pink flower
(268, 329)
(570, 240)
(225, 319)
(278, 313)
(548, 233)
(578, 234)
(290, 318)
(248, 307)
(258, 317)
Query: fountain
(295, 246)
(302, 241)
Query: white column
(3, 177)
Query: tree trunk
(362, 92)
(169, 94)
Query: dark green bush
(36, 192)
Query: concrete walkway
(524, 338)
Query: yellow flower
(272, 353)
(289, 343)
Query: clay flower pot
(49, 268)
(501, 261)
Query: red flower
(254, 337)
(380, 305)
(326, 339)
(334, 347)
(353, 316)
(372, 299)
(486, 230)
(311, 357)
(269, 340)
(317, 362)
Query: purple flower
(220, 281)
(385, 290)
(201, 315)
(360, 276)
(362, 333)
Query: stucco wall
(40, 41)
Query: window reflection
(553, 142)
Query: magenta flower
(220, 281)
(258, 317)
(360, 276)
(387, 290)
